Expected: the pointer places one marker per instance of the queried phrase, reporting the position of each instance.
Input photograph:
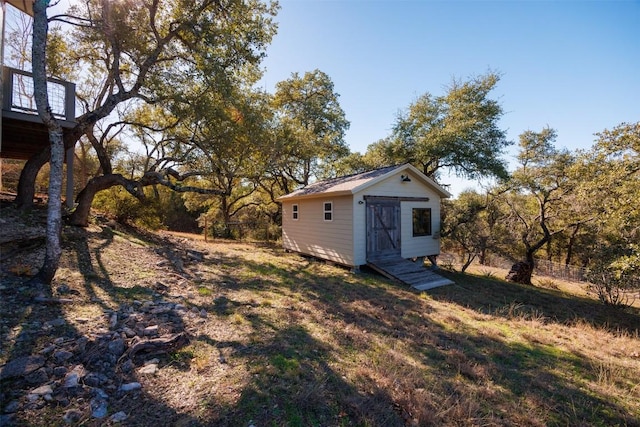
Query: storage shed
(393, 212)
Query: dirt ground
(102, 345)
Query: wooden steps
(415, 274)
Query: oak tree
(458, 130)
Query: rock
(72, 416)
(11, 407)
(151, 330)
(62, 356)
(31, 398)
(98, 407)
(150, 369)
(72, 379)
(37, 377)
(116, 347)
(81, 344)
(127, 366)
(203, 313)
(160, 310)
(130, 333)
(195, 255)
(95, 379)
(118, 417)
(100, 393)
(59, 371)
(54, 323)
(42, 390)
(21, 366)
(131, 386)
(47, 349)
(113, 321)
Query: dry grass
(293, 341)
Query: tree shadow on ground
(316, 345)
(497, 297)
(30, 315)
(406, 368)
(44, 347)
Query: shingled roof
(351, 183)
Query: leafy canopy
(458, 130)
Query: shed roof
(351, 184)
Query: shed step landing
(415, 274)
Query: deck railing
(18, 98)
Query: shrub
(118, 203)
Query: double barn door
(383, 229)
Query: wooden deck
(415, 274)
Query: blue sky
(572, 65)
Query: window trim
(429, 231)
(295, 212)
(326, 211)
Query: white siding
(421, 245)
(394, 187)
(312, 235)
(359, 231)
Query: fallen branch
(157, 345)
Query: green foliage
(125, 208)
(311, 127)
(469, 226)
(458, 130)
(612, 169)
(11, 173)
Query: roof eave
(289, 197)
(22, 5)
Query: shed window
(328, 211)
(421, 222)
(294, 210)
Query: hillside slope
(147, 329)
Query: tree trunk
(226, 217)
(80, 216)
(469, 259)
(520, 272)
(570, 245)
(53, 249)
(482, 258)
(27, 182)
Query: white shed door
(383, 229)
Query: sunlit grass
(288, 340)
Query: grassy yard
(291, 341)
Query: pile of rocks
(86, 373)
